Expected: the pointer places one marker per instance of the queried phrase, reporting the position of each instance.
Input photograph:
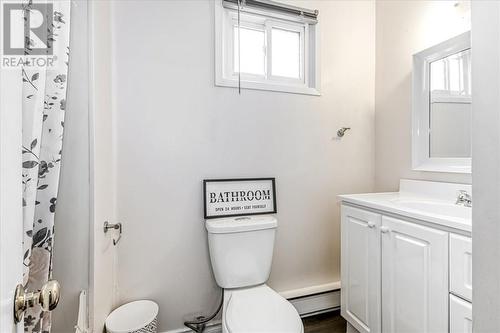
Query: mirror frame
(421, 159)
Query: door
(414, 278)
(460, 315)
(360, 269)
(11, 225)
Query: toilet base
(258, 309)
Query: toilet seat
(260, 310)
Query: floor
(330, 322)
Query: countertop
(417, 205)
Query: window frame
(229, 50)
(225, 76)
(303, 56)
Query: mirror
(442, 107)
(450, 106)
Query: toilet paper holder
(115, 226)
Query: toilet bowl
(259, 309)
(241, 251)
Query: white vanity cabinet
(360, 295)
(460, 284)
(460, 315)
(400, 276)
(461, 266)
(414, 277)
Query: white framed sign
(236, 197)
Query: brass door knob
(47, 298)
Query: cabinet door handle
(384, 229)
(371, 225)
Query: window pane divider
(269, 49)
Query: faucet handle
(463, 197)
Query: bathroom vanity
(407, 259)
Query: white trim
(11, 219)
(442, 164)
(321, 298)
(447, 98)
(268, 86)
(307, 291)
(91, 132)
(421, 159)
(102, 284)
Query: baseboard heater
(314, 304)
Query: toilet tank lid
(241, 224)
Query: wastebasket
(134, 317)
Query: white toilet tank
(241, 249)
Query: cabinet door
(461, 266)
(414, 278)
(460, 315)
(360, 269)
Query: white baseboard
(318, 300)
(351, 329)
(320, 288)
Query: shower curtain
(44, 105)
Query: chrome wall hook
(341, 131)
(115, 226)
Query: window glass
(438, 75)
(285, 53)
(451, 75)
(253, 51)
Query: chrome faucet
(464, 199)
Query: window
(450, 76)
(253, 51)
(266, 50)
(287, 53)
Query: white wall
(174, 128)
(71, 247)
(486, 164)
(402, 29)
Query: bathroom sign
(236, 197)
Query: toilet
(241, 251)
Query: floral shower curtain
(44, 105)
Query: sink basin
(436, 207)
